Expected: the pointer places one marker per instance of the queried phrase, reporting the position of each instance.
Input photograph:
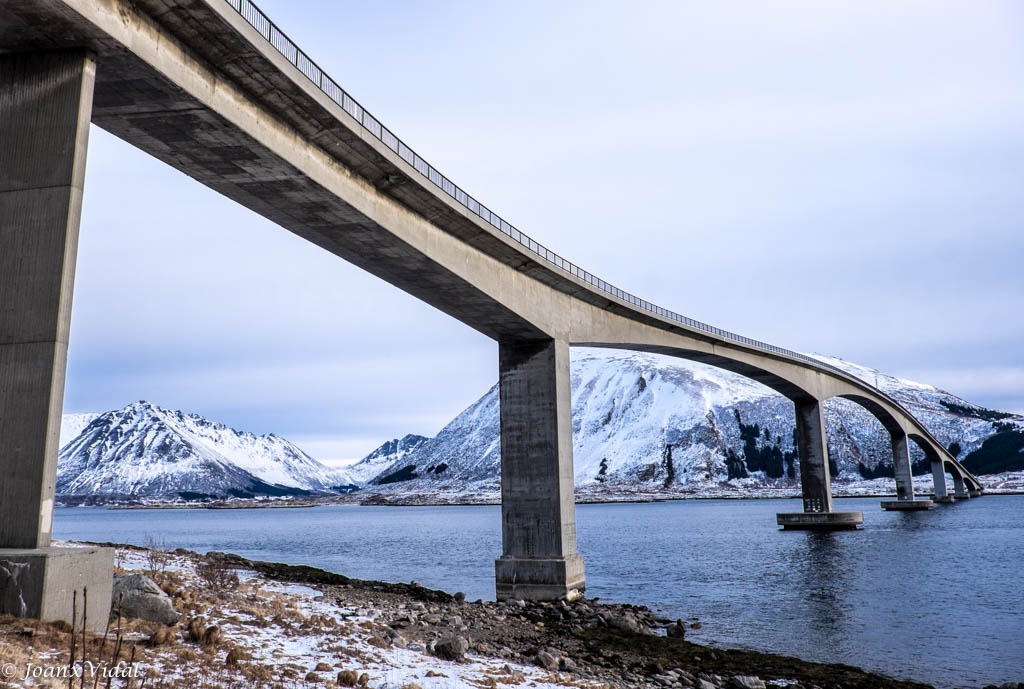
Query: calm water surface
(935, 596)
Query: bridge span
(214, 89)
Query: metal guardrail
(286, 47)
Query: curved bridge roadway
(214, 89)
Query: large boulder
(676, 630)
(451, 647)
(141, 598)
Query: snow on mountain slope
(948, 417)
(71, 425)
(465, 450)
(147, 451)
(646, 421)
(384, 456)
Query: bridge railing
(286, 47)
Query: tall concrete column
(538, 512)
(901, 465)
(939, 481)
(45, 108)
(815, 481)
(959, 488)
(904, 477)
(812, 446)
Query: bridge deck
(216, 91)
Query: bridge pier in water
(939, 481)
(45, 108)
(815, 478)
(904, 477)
(538, 511)
(959, 488)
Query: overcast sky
(842, 178)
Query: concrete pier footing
(538, 511)
(943, 499)
(908, 505)
(45, 109)
(53, 584)
(539, 579)
(975, 493)
(819, 521)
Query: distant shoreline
(414, 500)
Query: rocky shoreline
(226, 622)
(612, 644)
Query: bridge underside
(191, 83)
(163, 99)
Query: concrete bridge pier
(939, 481)
(959, 488)
(538, 512)
(45, 108)
(904, 477)
(815, 480)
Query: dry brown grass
(378, 642)
(235, 656)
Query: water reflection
(821, 575)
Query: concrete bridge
(214, 89)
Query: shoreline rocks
(618, 645)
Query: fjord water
(933, 596)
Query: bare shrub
(217, 575)
(157, 556)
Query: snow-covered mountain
(384, 456)
(651, 422)
(146, 451)
(72, 425)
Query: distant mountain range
(145, 451)
(652, 423)
(641, 423)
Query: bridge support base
(815, 481)
(974, 493)
(42, 583)
(944, 499)
(819, 521)
(45, 109)
(538, 510)
(539, 579)
(908, 505)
